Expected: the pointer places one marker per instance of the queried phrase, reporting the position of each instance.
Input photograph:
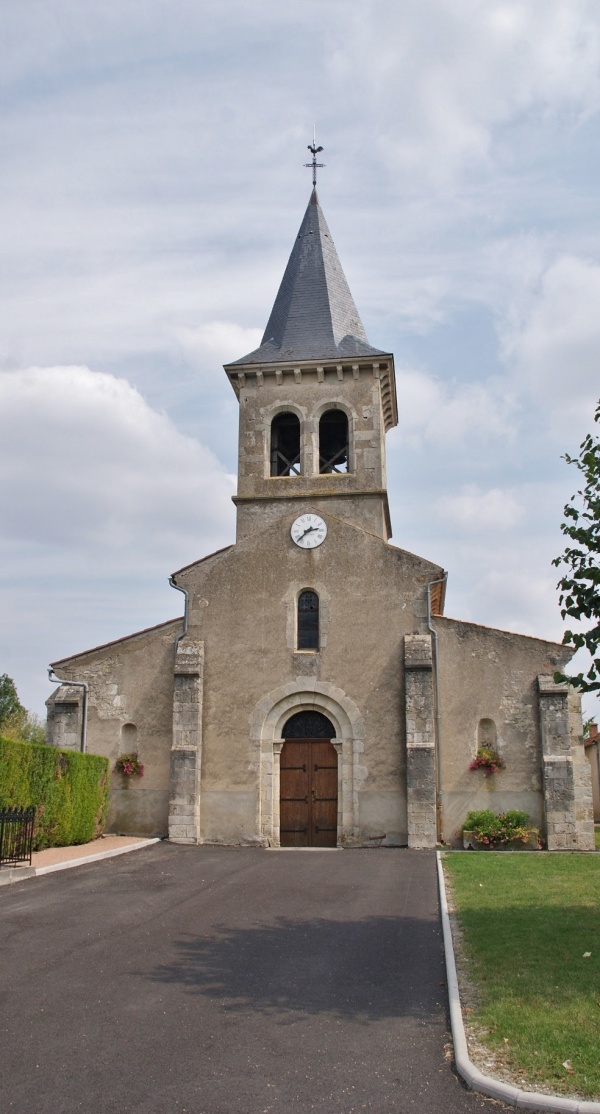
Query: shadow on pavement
(377, 967)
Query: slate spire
(314, 316)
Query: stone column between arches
(266, 726)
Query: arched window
(285, 445)
(308, 620)
(333, 442)
(486, 734)
(129, 736)
(308, 725)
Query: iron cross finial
(314, 150)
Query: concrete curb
(18, 874)
(485, 1084)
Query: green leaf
(579, 588)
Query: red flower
(128, 765)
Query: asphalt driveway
(221, 981)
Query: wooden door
(308, 793)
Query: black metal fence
(16, 835)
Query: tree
(15, 721)
(10, 705)
(30, 730)
(580, 586)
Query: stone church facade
(314, 693)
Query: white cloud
(473, 509)
(100, 499)
(152, 180)
(452, 413)
(218, 342)
(556, 348)
(513, 594)
(449, 74)
(87, 463)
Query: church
(314, 694)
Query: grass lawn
(528, 921)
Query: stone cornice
(322, 371)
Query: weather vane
(314, 150)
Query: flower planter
(488, 760)
(472, 844)
(129, 766)
(484, 830)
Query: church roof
(314, 315)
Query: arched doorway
(308, 782)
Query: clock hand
(308, 530)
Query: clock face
(308, 531)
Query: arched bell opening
(285, 445)
(334, 442)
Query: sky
(152, 184)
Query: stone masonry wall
(186, 751)
(64, 718)
(567, 784)
(420, 741)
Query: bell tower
(316, 399)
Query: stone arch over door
(266, 726)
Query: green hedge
(70, 791)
